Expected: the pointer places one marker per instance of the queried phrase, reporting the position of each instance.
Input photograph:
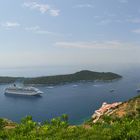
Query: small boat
(138, 90)
(75, 85)
(27, 91)
(112, 90)
(50, 87)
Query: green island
(6, 79)
(122, 124)
(84, 75)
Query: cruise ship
(28, 91)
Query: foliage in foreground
(127, 128)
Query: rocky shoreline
(105, 109)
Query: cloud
(123, 1)
(137, 31)
(110, 21)
(97, 17)
(135, 20)
(43, 8)
(33, 28)
(45, 32)
(104, 21)
(54, 12)
(38, 30)
(113, 44)
(10, 25)
(112, 51)
(84, 6)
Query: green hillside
(129, 108)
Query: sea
(77, 100)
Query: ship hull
(23, 94)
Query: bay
(78, 100)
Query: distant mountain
(84, 75)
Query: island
(84, 75)
(7, 80)
(81, 76)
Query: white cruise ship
(28, 91)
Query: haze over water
(66, 69)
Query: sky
(68, 33)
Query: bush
(58, 129)
(2, 124)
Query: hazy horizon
(63, 69)
(51, 37)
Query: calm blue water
(78, 100)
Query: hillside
(129, 108)
(84, 75)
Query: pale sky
(36, 33)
